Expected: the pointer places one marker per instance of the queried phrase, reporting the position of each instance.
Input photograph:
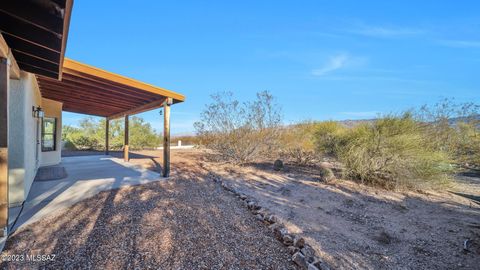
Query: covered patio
(86, 177)
(35, 71)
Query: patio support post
(166, 137)
(125, 145)
(4, 81)
(107, 126)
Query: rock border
(303, 255)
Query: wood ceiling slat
(127, 93)
(82, 103)
(20, 45)
(109, 84)
(37, 70)
(33, 14)
(49, 87)
(23, 30)
(34, 61)
(93, 90)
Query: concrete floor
(87, 176)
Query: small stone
(243, 196)
(299, 242)
(278, 165)
(309, 253)
(299, 259)
(320, 265)
(272, 219)
(276, 228)
(288, 240)
(292, 250)
(259, 217)
(253, 205)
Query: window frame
(54, 135)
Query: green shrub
(297, 143)
(391, 152)
(329, 138)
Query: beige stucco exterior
(53, 109)
(25, 156)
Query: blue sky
(321, 59)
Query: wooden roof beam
(90, 70)
(5, 52)
(147, 107)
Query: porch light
(37, 112)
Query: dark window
(49, 134)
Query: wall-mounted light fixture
(37, 112)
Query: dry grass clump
(391, 152)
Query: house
(37, 83)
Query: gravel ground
(186, 222)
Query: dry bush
(392, 152)
(454, 128)
(240, 132)
(297, 143)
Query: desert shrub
(329, 138)
(83, 142)
(391, 152)
(297, 143)
(240, 132)
(454, 128)
(326, 174)
(69, 145)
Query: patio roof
(89, 90)
(37, 31)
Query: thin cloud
(386, 32)
(460, 43)
(335, 62)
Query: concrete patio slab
(87, 176)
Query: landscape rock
(318, 264)
(299, 259)
(309, 253)
(272, 219)
(288, 240)
(278, 165)
(299, 242)
(292, 250)
(326, 174)
(253, 205)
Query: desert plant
(454, 128)
(297, 143)
(240, 132)
(391, 152)
(329, 138)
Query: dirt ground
(352, 226)
(185, 222)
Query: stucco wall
(23, 164)
(53, 109)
